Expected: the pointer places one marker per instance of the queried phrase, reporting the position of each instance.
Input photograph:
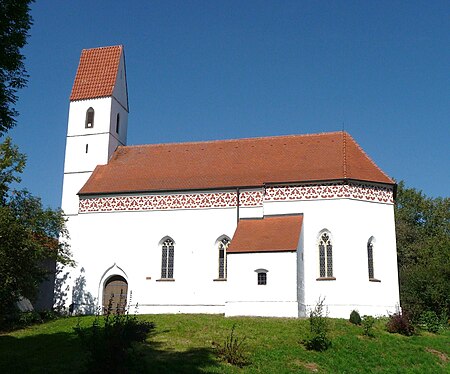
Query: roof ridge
(103, 47)
(231, 140)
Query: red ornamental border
(166, 202)
(360, 191)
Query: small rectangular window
(87, 148)
(262, 279)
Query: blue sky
(202, 70)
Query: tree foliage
(15, 22)
(29, 234)
(423, 244)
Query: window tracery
(223, 246)
(325, 256)
(370, 258)
(168, 249)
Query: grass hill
(186, 344)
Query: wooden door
(115, 295)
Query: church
(247, 227)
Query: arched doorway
(115, 294)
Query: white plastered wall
(351, 224)
(131, 240)
(278, 298)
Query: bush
(355, 318)
(367, 324)
(233, 350)
(110, 341)
(400, 323)
(318, 323)
(430, 321)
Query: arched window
(325, 255)
(89, 118)
(222, 245)
(117, 123)
(370, 257)
(262, 276)
(167, 248)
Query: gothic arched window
(89, 118)
(223, 244)
(167, 249)
(325, 255)
(370, 258)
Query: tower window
(89, 118)
(117, 123)
(87, 148)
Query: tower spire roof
(97, 73)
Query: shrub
(318, 324)
(430, 321)
(355, 318)
(367, 324)
(28, 318)
(232, 351)
(400, 323)
(110, 341)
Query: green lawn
(185, 344)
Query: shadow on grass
(44, 353)
(62, 352)
(194, 360)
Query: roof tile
(270, 234)
(234, 163)
(97, 73)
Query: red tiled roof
(234, 163)
(270, 234)
(97, 73)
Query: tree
(29, 234)
(423, 245)
(15, 21)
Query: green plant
(367, 325)
(232, 351)
(400, 323)
(430, 321)
(111, 339)
(355, 318)
(318, 339)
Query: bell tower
(98, 118)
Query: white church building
(254, 227)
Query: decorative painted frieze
(352, 190)
(254, 198)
